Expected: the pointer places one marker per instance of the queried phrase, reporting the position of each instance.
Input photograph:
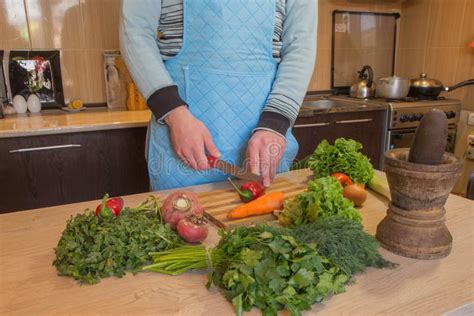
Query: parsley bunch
(322, 199)
(91, 247)
(260, 266)
(344, 156)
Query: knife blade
(234, 170)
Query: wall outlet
(470, 147)
(470, 119)
(470, 140)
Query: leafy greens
(322, 199)
(344, 156)
(91, 247)
(261, 266)
(344, 242)
(266, 267)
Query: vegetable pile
(260, 266)
(276, 268)
(344, 157)
(271, 268)
(322, 199)
(92, 247)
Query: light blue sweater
(138, 42)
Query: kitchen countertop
(29, 283)
(350, 105)
(60, 122)
(93, 119)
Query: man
(221, 77)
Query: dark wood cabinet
(58, 169)
(310, 131)
(366, 127)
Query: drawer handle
(354, 121)
(311, 125)
(22, 150)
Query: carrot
(263, 205)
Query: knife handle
(212, 161)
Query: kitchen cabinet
(366, 127)
(48, 170)
(310, 131)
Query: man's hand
(264, 153)
(190, 138)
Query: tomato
(342, 178)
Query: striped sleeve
(142, 55)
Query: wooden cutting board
(218, 203)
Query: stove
(408, 114)
(404, 116)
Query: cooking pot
(393, 87)
(364, 87)
(426, 88)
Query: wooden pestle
(431, 136)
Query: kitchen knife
(232, 169)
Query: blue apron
(224, 71)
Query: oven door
(400, 138)
(403, 138)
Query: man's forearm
(295, 69)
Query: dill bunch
(344, 242)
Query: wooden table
(29, 284)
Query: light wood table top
(29, 284)
(60, 122)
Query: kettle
(365, 86)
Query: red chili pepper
(109, 207)
(249, 191)
(342, 178)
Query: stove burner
(405, 99)
(413, 99)
(438, 98)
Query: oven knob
(412, 117)
(451, 114)
(404, 118)
(418, 116)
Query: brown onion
(356, 193)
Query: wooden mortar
(414, 225)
